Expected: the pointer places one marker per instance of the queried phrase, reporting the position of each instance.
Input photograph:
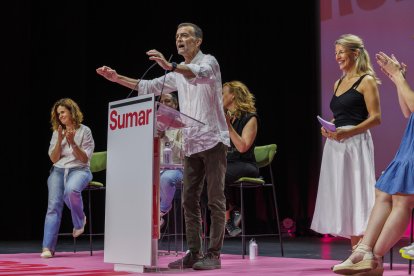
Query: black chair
(411, 241)
(97, 164)
(264, 157)
(177, 216)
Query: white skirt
(346, 191)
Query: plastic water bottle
(253, 249)
(167, 154)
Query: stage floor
(303, 256)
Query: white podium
(132, 178)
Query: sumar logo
(130, 119)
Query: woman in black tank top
(242, 122)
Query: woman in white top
(70, 150)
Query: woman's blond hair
(244, 100)
(363, 63)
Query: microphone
(143, 75)
(163, 82)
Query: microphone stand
(143, 75)
(163, 83)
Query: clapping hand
(61, 133)
(70, 136)
(390, 65)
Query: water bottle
(253, 249)
(167, 154)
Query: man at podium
(198, 83)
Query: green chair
(97, 164)
(264, 157)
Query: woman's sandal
(361, 260)
(379, 271)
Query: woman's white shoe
(361, 260)
(77, 232)
(46, 253)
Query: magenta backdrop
(384, 25)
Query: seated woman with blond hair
(242, 121)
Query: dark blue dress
(398, 177)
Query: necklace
(348, 78)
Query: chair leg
(277, 220)
(74, 245)
(243, 234)
(411, 239)
(90, 221)
(175, 227)
(177, 213)
(167, 229)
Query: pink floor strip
(82, 264)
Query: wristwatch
(174, 66)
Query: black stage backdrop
(51, 50)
